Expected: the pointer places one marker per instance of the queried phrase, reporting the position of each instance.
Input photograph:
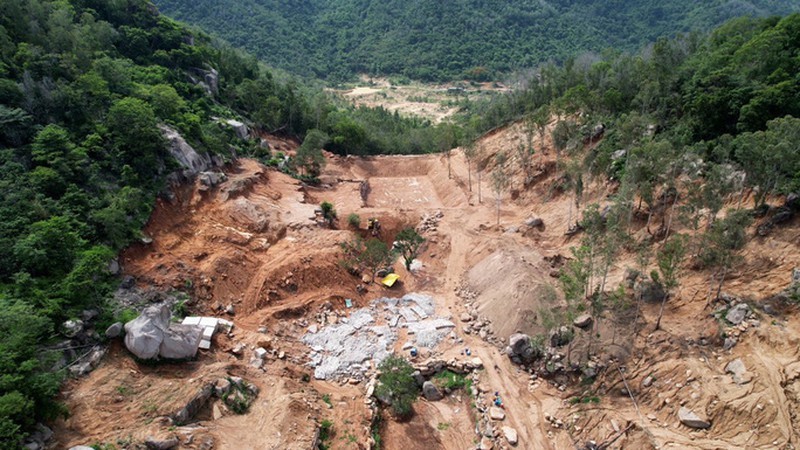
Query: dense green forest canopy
(440, 40)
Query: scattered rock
(431, 392)
(216, 412)
(583, 321)
(114, 330)
(465, 317)
(486, 444)
(692, 420)
(729, 343)
(738, 313)
(496, 413)
(161, 443)
(230, 309)
(739, 371)
(648, 381)
(72, 328)
(510, 435)
(534, 222)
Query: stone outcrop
(191, 161)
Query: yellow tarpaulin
(390, 279)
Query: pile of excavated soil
(511, 288)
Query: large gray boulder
(151, 335)
(144, 334)
(520, 349)
(114, 330)
(181, 341)
(431, 392)
(240, 129)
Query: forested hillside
(431, 40)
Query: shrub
(354, 220)
(397, 384)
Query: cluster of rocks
(209, 180)
(81, 349)
(489, 426)
(738, 315)
(474, 324)
(348, 348)
(782, 214)
(39, 438)
(260, 354)
(130, 296)
(429, 222)
(207, 79)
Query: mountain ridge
(433, 41)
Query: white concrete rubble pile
(210, 326)
(350, 348)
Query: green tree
(49, 248)
(397, 385)
(669, 260)
(27, 387)
(309, 158)
(500, 181)
(135, 136)
(328, 213)
(721, 243)
(409, 242)
(372, 255)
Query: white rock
(510, 434)
(496, 413)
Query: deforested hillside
(431, 40)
